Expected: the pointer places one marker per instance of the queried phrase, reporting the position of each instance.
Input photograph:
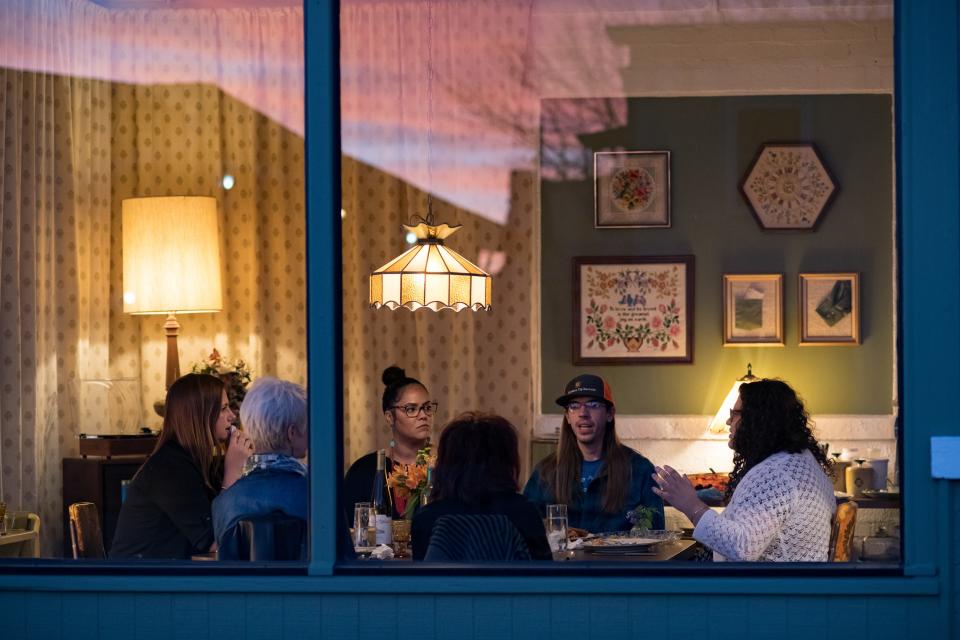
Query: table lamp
(719, 422)
(171, 262)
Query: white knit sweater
(781, 511)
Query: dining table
(671, 550)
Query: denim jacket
(586, 512)
(277, 486)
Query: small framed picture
(829, 309)
(631, 189)
(632, 309)
(753, 310)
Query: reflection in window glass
(200, 103)
(597, 161)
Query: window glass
(663, 200)
(152, 163)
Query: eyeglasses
(413, 410)
(573, 407)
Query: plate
(625, 543)
(364, 551)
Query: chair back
(85, 533)
(476, 538)
(31, 522)
(272, 537)
(841, 536)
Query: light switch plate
(945, 457)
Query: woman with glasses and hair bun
(408, 413)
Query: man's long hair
(772, 419)
(560, 471)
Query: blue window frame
(928, 235)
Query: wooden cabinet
(97, 480)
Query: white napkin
(576, 543)
(382, 552)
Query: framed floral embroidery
(631, 189)
(633, 310)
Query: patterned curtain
(55, 238)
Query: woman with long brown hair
(781, 498)
(597, 477)
(166, 513)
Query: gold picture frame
(829, 309)
(753, 310)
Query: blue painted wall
(923, 603)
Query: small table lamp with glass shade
(171, 262)
(719, 422)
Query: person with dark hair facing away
(477, 473)
(597, 477)
(166, 514)
(781, 500)
(408, 412)
(274, 480)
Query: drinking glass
(361, 523)
(556, 524)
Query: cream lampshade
(430, 275)
(719, 422)
(171, 262)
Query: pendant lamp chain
(430, 219)
(430, 275)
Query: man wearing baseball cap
(597, 477)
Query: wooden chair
(85, 534)
(841, 537)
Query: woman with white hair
(274, 416)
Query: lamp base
(172, 328)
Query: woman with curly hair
(780, 496)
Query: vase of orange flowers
(410, 484)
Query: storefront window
(662, 199)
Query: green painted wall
(712, 141)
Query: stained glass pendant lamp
(430, 275)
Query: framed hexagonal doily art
(788, 186)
